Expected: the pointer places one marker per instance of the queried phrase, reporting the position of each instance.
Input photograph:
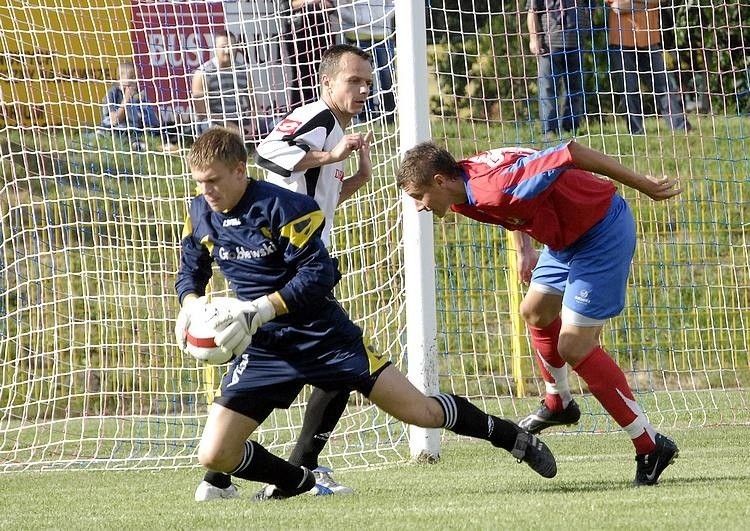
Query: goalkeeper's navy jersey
(310, 127)
(270, 241)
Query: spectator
(310, 37)
(558, 48)
(369, 26)
(636, 55)
(127, 110)
(221, 91)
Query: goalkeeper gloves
(183, 320)
(235, 336)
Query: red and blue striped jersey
(540, 193)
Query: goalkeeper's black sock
(217, 479)
(464, 418)
(258, 464)
(323, 411)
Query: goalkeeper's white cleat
(208, 492)
(323, 477)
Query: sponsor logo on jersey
(231, 222)
(288, 126)
(339, 176)
(241, 253)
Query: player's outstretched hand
(365, 162)
(236, 334)
(348, 144)
(660, 188)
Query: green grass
(473, 487)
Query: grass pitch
(473, 487)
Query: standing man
(300, 333)
(636, 56)
(309, 36)
(558, 30)
(370, 25)
(580, 278)
(306, 153)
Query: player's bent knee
(430, 415)
(535, 316)
(573, 348)
(214, 457)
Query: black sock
(464, 418)
(217, 479)
(323, 411)
(258, 464)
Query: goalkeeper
(266, 241)
(306, 152)
(578, 281)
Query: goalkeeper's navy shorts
(261, 380)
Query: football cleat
(531, 450)
(544, 417)
(323, 477)
(272, 492)
(208, 492)
(649, 466)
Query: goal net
(91, 217)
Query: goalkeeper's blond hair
(218, 144)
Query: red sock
(544, 340)
(607, 383)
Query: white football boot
(208, 492)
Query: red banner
(171, 38)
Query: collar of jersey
(469, 195)
(243, 200)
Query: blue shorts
(592, 272)
(262, 380)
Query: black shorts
(260, 381)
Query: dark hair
(422, 162)
(225, 33)
(329, 63)
(217, 144)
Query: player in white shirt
(306, 152)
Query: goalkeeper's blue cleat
(323, 477)
(531, 450)
(649, 466)
(208, 492)
(272, 492)
(544, 417)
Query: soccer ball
(201, 333)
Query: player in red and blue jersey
(267, 242)
(579, 279)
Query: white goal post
(90, 220)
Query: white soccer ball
(201, 333)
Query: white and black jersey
(312, 127)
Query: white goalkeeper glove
(183, 320)
(235, 336)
